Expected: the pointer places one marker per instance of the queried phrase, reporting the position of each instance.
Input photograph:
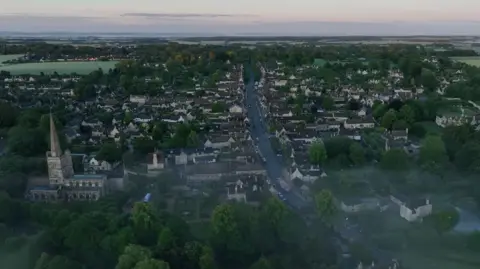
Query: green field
(81, 68)
(475, 60)
(4, 58)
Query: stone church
(63, 183)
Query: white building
(413, 210)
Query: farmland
(4, 58)
(81, 68)
(475, 61)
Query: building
(63, 184)
(412, 209)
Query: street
(343, 231)
(259, 131)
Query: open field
(4, 58)
(475, 60)
(81, 68)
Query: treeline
(103, 235)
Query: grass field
(81, 68)
(475, 60)
(4, 58)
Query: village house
(412, 209)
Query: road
(259, 130)
(344, 231)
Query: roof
(88, 176)
(44, 188)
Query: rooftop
(88, 176)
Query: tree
(151, 264)
(207, 260)
(417, 130)
(357, 154)
(429, 80)
(132, 255)
(145, 223)
(192, 251)
(29, 119)
(433, 153)
(192, 139)
(325, 206)
(128, 118)
(443, 221)
(317, 153)
(468, 157)
(379, 109)
(407, 114)
(394, 159)
(218, 107)
(8, 115)
(328, 103)
(26, 142)
(109, 152)
(473, 241)
(144, 145)
(455, 137)
(389, 118)
(262, 263)
(167, 244)
(56, 262)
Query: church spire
(55, 149)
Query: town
(171, 155)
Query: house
(235, 109)
(200, 173)
(219, 142)
(250, 169)
(98, 165)
(155, 161)
(246, 188)
(138, 99)
(236, 192)
(202, 159)
(359, 123)
(412, 209)
(307, 176)
(181, 158)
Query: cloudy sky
(289, 17)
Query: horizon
(214, 17)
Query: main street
(259, 133)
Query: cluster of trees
(104, 235)
(337, 151)
(36, 51)
(398, 115)
(467, 89)
(27, 131)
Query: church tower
(60, 166)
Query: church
(63, 183)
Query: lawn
(81, 68)
(475, 60)
(4, 58)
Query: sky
(277, 17)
